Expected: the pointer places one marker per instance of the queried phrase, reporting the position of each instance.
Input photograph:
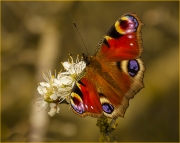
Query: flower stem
(106, 129)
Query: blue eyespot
(133, 67)
(134, 20)
(108, 108)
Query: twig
(106, 129)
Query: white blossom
(57, 88)
(54, 109)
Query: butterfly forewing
(122, 41)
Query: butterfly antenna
(80, 37)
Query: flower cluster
(57, 88)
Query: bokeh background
(37, 36)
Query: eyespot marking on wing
(77, 103)
(127, 24)
(112, 32)
(133, 67)
(108, 108)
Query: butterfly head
(86, 59)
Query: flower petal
(54, 109)
(45, 84)
(58, 109)
(66, 65)
(53, 96)
(66, 80)
(42, 90)
(52, 112)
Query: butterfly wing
(122, 41)
(85, 99)
(120, 49)
(117, 83)
(115, 74)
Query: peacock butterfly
(114, 74)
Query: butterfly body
(114, 74)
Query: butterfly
(114, 74)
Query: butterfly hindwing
(85, 99)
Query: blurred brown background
(37, 36)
